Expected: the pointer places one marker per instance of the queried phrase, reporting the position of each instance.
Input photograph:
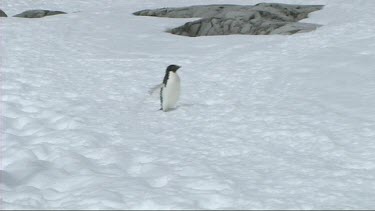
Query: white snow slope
(264, 122)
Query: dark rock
(260, 19)
(2, 14)
(38, 13)
(199, 11)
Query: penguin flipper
(155, 89)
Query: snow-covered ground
(264, 122)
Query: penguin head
(173, 68)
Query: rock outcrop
(2, 14)
(199, 11)
(260, 19)
(38, 13)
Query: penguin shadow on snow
(179, 106)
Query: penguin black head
(173, 68)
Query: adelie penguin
(170, 90)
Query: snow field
(264, 122)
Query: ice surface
(264, 122)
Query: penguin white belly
(171, 92)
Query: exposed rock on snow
(38, 13)
(2, 14)
(201, 11)
(263, 18)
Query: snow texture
(263, 122)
